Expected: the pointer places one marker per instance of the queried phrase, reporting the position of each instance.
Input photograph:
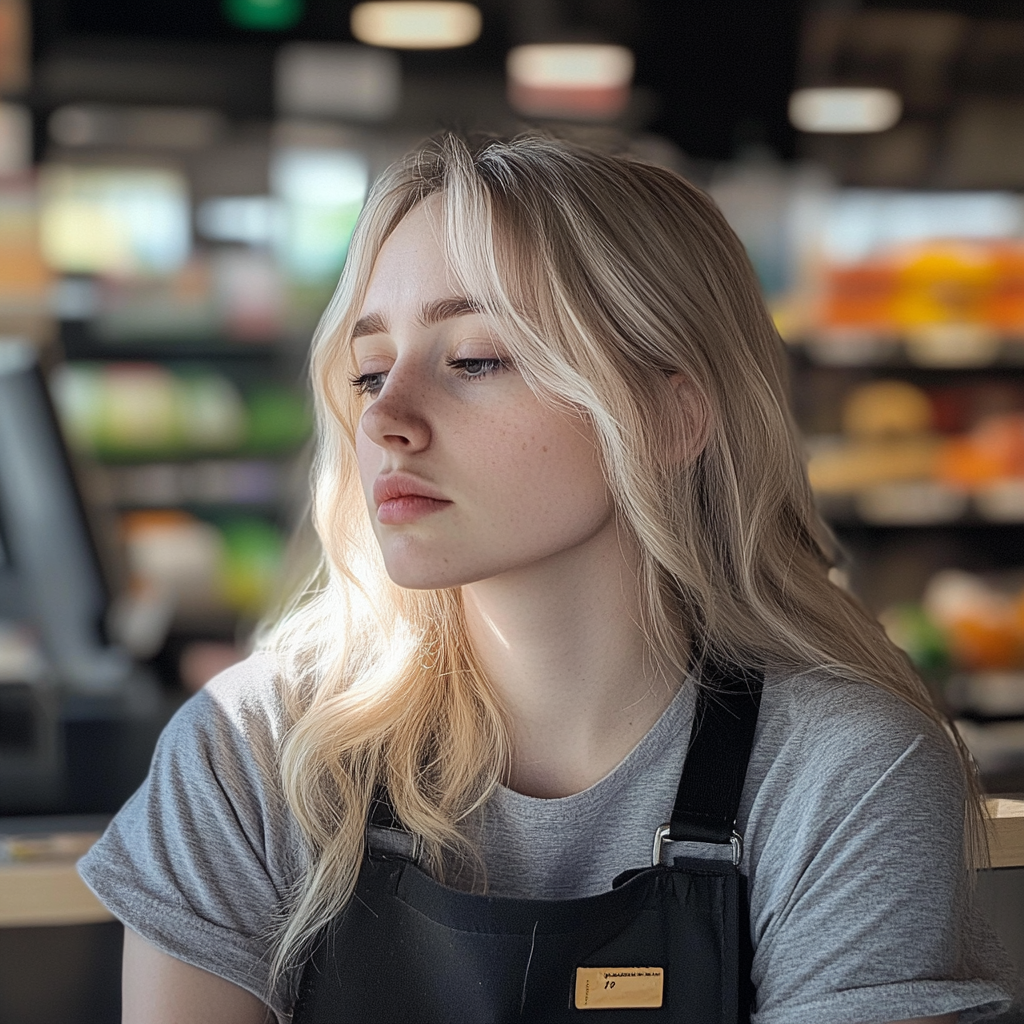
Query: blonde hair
(605, 276)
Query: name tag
(619, 988)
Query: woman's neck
(561, 642)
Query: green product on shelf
(211, 414)
(279, 419)
(911, 628)
(252, 560)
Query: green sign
(266, 15)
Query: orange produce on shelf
(979, 644)
(859, 296)
(981, 622)
(961, 463)
(935, 283)
(1003, 305)
(992, 451)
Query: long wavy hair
(604, 276)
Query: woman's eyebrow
(372, 323)
(444, 309)
(430, 313)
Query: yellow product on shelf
(943, 282)
(887, 440)
(128, 410)
(139, 409)
(886, 407)
(860, 464)
(917, 289)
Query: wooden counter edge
(47, 893)
(1005, 832)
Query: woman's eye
(368, 383)
(474, 369)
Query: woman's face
(467, 474)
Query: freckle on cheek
(544, 448)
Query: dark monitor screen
(50, 574)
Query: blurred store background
(178, 183)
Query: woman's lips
(407, 509)
(401, 498)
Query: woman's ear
(691, 412)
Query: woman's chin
(421, 576)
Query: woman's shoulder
(826, 746)
(248, 694)
(853, 825)
(230, 731)
(850, 717)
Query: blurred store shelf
(898, 353)
(924, 504)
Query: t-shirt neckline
(669, 726)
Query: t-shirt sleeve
(200, 859)
(861, 905)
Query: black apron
(666, 943)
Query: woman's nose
(395, 419)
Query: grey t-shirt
(852, 817)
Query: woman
(548, 377)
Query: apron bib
(665, 943)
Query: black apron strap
(721, 737)
(386, 836)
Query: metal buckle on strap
(661, 836)
(394, 842)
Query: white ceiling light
(416, 24)
(583, 80)
(844, 110)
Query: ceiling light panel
(844, 110)
(579, 80)
(416, 24)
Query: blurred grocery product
(278, 418)
(253, 550)
(967, 631)
(983, 622)
(887, 407)
(25, 278)
(886, 439)
(994, 450)
(933, 283)
(122, 410)
(235, 481)
(177, 554)
(911, 628)
(231, 564)
(117, 220)
(842, 467)
(899, 468)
